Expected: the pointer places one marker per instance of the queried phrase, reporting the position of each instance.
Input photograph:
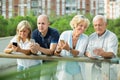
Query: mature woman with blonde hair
(72, 43)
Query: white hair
(97, 17)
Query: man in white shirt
(102, 43)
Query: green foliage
(32, 20)
(3, 26)
(90, 28)
(9, 25)
(62, 23)
(114, 26)
(12, 24)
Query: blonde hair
(77, 20)
(24, 24)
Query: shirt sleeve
(55, 37)
(113, 45)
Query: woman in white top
(20, 44)
(72, 43)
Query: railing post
(105, 71)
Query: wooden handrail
(44, 57)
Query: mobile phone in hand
(15, 44)
(32, 41)
(62, 41)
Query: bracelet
(58, 51)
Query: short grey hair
(97, 17)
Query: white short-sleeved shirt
(25, 62)
(108, 41)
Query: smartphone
(15, 44)
(32, 41)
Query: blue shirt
(52, 36)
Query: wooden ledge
(56, 58)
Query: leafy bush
(3, 26)
(62, 23)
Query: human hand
(63, 45)
(8, 50)
(16, 48)
(60, 45)
(88, 54)
(34, 48)
(32, 41)
(66, 46)
(59, 48)
(98, 51)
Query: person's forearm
(27, 52)
(46, 51)
(108, 55)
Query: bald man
(46, 39)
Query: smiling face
(99, 26)
(23, 33)
(80, 28)
(24, 30)
(42, 24)
(79, 24)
